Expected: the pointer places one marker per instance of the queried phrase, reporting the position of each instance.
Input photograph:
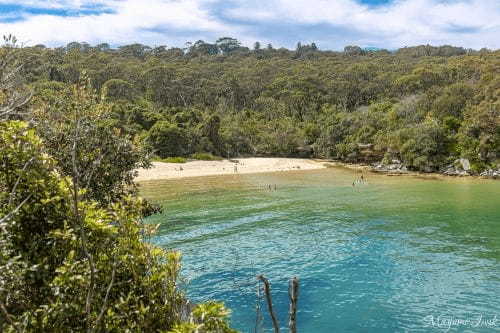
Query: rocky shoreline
(460, 168)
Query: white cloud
(130, 21)
(403, 22)
(57, 4)
(469, 23)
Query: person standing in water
(235, 168)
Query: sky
(331, 24)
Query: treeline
(425, 106)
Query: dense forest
(425, 106)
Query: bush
(170, 160)
(206, 157)
(67, 265)
(426, 147)
(105, 159)
(116, 89)
(167, 139)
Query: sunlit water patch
(383, 256)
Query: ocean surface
(389, 254)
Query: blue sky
(331, 24)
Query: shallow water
(383, 256)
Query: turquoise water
(398, 254)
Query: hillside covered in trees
(424, 106)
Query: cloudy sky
(332, 24)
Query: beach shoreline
(162, 170)
(252, 165)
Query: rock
(460, 167)
(392, 168)
(452, 170)
(465, 164)
(490, 173)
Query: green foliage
(14, 94)
(205, 157)
(227, 44)
(479, 136)
(167, 139)
(68, 265)
(421, 147)
(116, 89)
(170, 160)
(216, 322)
(76, 125)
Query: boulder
(465, 164)
(391, 168)
(455, 170)
(491, 173)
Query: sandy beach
(162, 170)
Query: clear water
(380, 257)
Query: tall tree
(227, 44)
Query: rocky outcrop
(394, 167)
(464, 163)
(491, 173)
(460, 167)
(453, 171)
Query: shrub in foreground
(68, 265)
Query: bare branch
(13, 191)
(293, 293)
(267, 292)
(105, 303)
(6, 217)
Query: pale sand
(162, 170)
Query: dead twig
(267, 292)
(293, 293)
